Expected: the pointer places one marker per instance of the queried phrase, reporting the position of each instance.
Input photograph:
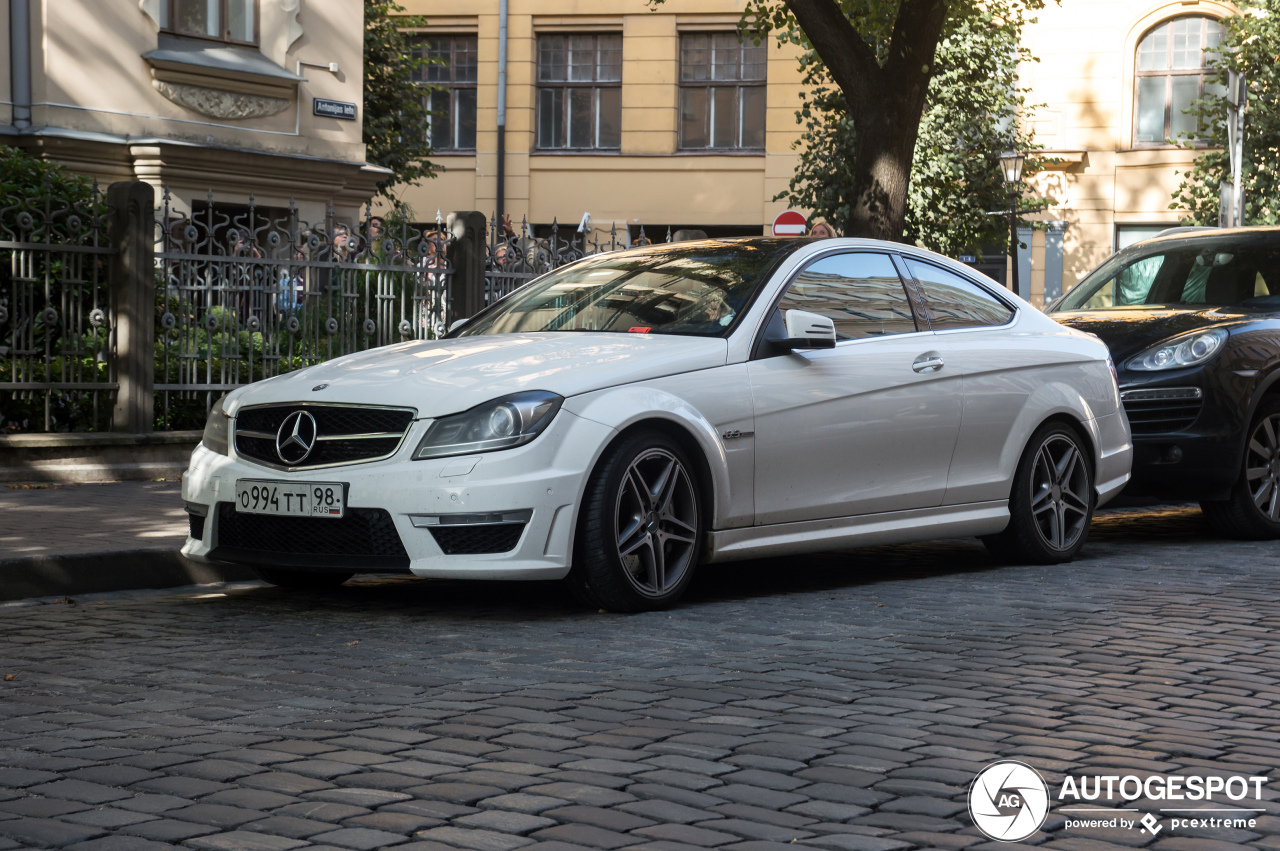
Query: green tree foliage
(396, 120)
(881, 57)
(1250, 44)
(24, 177)
(970, 117)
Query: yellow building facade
(1114, 77)
(1109, 71)
(638, 117)
(237, 96)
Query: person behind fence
(292, 285)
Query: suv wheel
(1253, 510)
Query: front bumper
(1195, 460)
(537, 486)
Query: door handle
(928, 363)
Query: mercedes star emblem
(296, 437)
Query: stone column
(131, 206)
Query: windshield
(696, 289)
(1202, 272)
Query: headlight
(217, 429)
(501, 424)
(1187, 350)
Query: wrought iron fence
(57, 328)
(515, 256)
(251, 295)
(240, 294)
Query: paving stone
(243, 840)
(43, 833)
(168, 830)
(477, 840)
(505, 822)
(688, 835)
(585, 834)
(522, 802)
(291, 826)
(107, 817)
(327, 811)
(17, 778)
(79, 790)
(360, 838)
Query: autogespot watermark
(1009, 801)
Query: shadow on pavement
(844, 570)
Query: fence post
(131, 206)
(468, 256)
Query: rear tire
(641, 529)
(303, 580)
(1252, 512)
(1051, 504)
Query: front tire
(1052, 501)
(303, 580)
(1253, 510)
(641, 527)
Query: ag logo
(1008, 801)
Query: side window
(862, 294)
(955, 302)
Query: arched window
(1170, 75)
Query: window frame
(1168, 73)
(905, 272)
(595, 86)
(709, 84)
(224, 14)
(451, 87)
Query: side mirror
(805, 330)
(455, 323)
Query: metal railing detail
(57, 316)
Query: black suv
(1192, 319)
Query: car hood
(1128, 331)
(440, 377)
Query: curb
(96, 573)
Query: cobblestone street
(843, 702)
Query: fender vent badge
(734, 434)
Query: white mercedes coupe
(624, 418)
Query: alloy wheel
(1060, 492)
(656, 522)
(1262, 467)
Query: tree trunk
(885, 149)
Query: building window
(224, 20)
(722, 85)
(1170, 76)
(452, 98)
(580, 92)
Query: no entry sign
(790, 223)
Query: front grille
(1162, 410)
(363, 538)
(477, 540)
(382, 429)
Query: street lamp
(1011, 164)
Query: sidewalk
(77, 539)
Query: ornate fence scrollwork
(259, 293)
(57, 329)
(515, 256)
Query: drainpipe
(20, 61)
(502, 109)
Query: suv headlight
(217, 429)
(501, 424)
(1187, 350)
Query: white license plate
(290, 499)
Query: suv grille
(1163, 409)
(344, 434)
(364, 538)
